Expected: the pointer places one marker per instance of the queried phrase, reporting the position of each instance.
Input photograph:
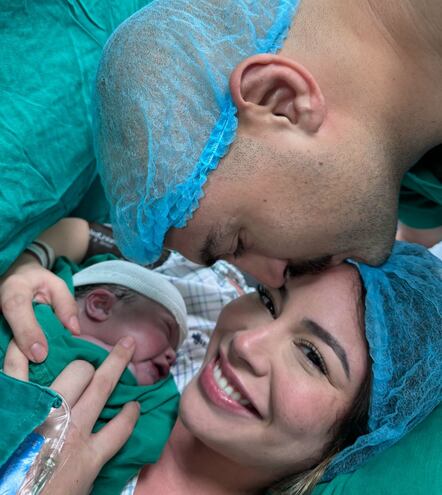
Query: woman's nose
(253, 347)
(268, 271)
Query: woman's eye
(314, 356)
(266, 299)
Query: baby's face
(156, 335)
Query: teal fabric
(403, 329)
(411, 467)
(420, 200)
(158, 402)
(49, 51)
(23, 407)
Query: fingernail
(38, 352)
(74, 325)
(127, 342)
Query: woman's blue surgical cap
(403, 326)
(163, 115)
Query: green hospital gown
(49, 53)
(420, 200)
(158, 402)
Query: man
(269, 134)
(328, 121)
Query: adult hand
(86, 391)
(27, 281)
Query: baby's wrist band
(42, 252)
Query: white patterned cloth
(437, 250)
(206, 290)
(129, 489)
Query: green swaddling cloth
(29, 404)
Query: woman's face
(282, 368)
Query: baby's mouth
(146, 373)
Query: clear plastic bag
(30, 467)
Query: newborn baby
(119, 298)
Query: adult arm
(86, 391)
(27, 281)
(426, 237)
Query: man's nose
(268, 271)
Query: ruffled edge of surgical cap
(141, 219)
(403, 327)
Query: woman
(283, 385)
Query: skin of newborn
(105, 319)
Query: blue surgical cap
(163, 114)
(403, 326)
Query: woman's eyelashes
(307, 348)
(313, 355)
(266, 299)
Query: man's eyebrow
(211, 246)
(328, 339)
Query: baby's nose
(170, 356)
(165, 361)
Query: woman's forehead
(344, 277)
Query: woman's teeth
(228, 389)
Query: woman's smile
(223, 388)
(282, 368)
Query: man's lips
(226, 390)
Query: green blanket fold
(27, 405)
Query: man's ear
(99, 304)
(280, 88)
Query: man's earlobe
(279, 87)
(99, 304)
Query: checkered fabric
(206, 290)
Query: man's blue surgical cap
(163, 113)
(403, 327)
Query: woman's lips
(225, 392)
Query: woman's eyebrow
(328, 339)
